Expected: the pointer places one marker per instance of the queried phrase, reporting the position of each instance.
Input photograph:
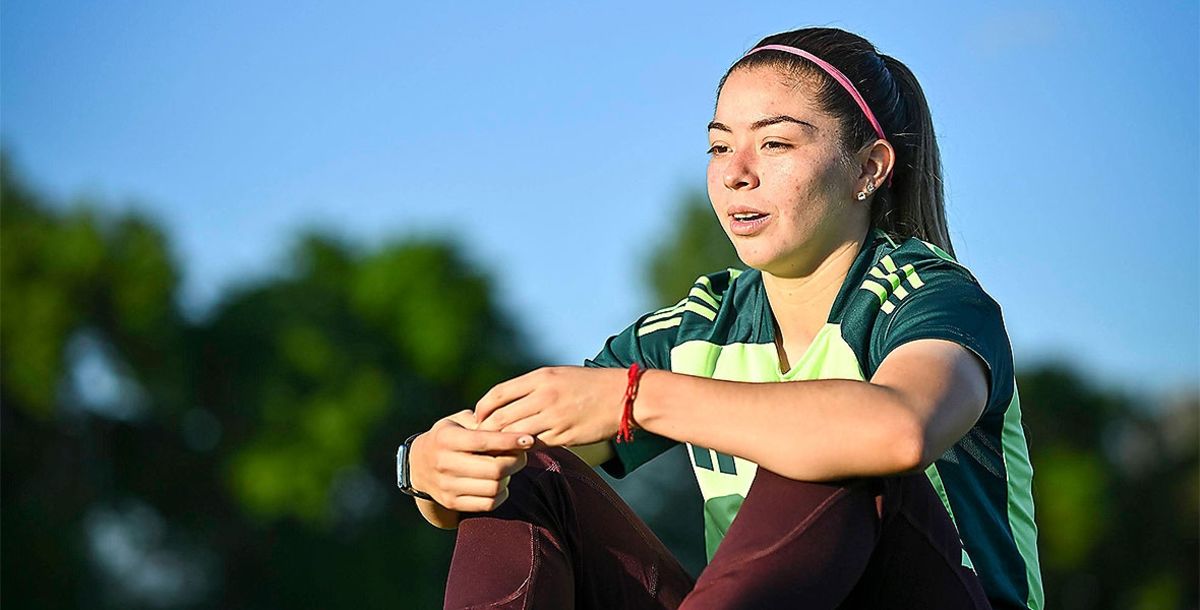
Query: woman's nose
(740, 173)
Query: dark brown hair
(913, 206)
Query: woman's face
(777, 176)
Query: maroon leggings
(564, 539)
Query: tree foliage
(242, 460)
(698, 246)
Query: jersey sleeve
(951, 305)
(649, 351)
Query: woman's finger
(504, 393)
(518, 409)
(533, 425)
(478, 504)
(475, 487)
(464, 418)
(481, 441)
(478, 466)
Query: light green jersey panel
(935, 478)
(1020, 500)
(718, 514)
(827, 357)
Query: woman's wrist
(653, 401)
(437, 515)
(415, 453)
(627, 423)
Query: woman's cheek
(715, 183)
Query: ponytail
(915, 204)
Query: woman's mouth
(746, 224)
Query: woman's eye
(718, 149)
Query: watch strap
(403, 473)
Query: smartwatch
(403, 480)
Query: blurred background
(248, 248)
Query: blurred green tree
(241, 460)
(697, 246)
(1115, 490)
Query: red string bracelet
(625, 433)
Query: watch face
(400, 467)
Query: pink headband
(837, 75)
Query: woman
(891, 471)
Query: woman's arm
(924, 397)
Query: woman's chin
(769, 263)
(756, 260)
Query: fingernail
(525, 440)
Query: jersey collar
(873, 248)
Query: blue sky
(553, 140)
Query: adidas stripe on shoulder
(703, 299)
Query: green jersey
(894, 293)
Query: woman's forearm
(815, 430)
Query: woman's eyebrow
(759, 124)
(779, 118)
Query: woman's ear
(876, 161)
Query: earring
(862, 195)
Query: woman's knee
(792, 540)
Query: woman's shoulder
(919, 253)
(922, 292)
(713, 289)
(712, 305)
(719, 283)
(908, 265)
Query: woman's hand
(562, 405)
(464, 469)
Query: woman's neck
(801, 304)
